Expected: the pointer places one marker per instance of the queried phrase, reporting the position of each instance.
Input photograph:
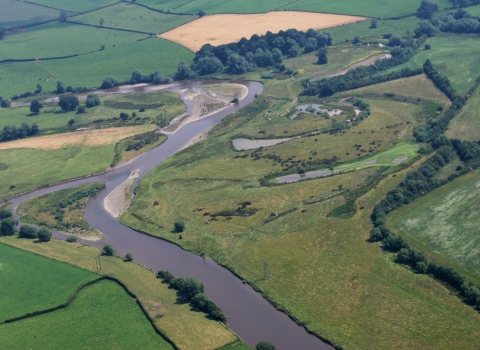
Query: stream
(251, 316)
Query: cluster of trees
(193, 291)
(427, 9)
(460, 22)
(12, 132)
(61, 88)
(362, 76)
(155, 78)
(43, 234)
(68, 103)
(4, 103)
(92, 100)
(464, 3)
(440, 80)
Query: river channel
(251, 316)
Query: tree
(68, 103)
(207, 65)
(265, 345)
(394, 40)
(3, 31)
(35, 107)
(311, 45)
(373, 24)
(201, 13)
(63, 16)
(72, 239)
(191, 287)
(357, 40)
(179, 226)
(7, 227)
(184, 72)
(428, 46)
(158, 78)
(92, 100)
(124, 116)
(38, 89)
(108, 83)
(128, 257)
(138, 77)
(80, 110)
(4, 103)
(27, 231)
(69, 88)
(322, 56)
(44, 234)
(427, 9)
(60, 87)
(5, 213)
(108, 250)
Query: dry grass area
(224, 29)
(98, 137)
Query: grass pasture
(466, 125)
(231, 27)
(17, 14)
(114, 321)
(444, 222)
(75, 6)
(132, 17)
(189, 330)
(30, 282)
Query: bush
(80, 110)
(108, 250)
(92, 100)
(166, 276)
(72, 239)
(5, 213)
(179, 226)
(27, 232)
(265, 345)
(7, 227)
(128, 257)
(44, 234)
(428, 46)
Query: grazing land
(132, 17)
(189, 330)
(444, 223)
(16, 14)
(63, 210)
(119, 323)
(31, 282)
(75, 6)
(223, 29)
(466, 125)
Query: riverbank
(120, 198)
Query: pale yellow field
(224, 29)
(96, 137)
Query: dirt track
(224, 29)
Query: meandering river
(250, 316)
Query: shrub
(265, 345)
(68, 103)
(27, 232)
(108, 250)
(7, 227)
(428, 46)
(166, 276)
(80, 110)
(128, 257)
(5, 213)
(179, 226)
(72, 239)
(44, 234)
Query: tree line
(459, 21)
(193, 291)
(13, 132)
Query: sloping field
(102, 316)
(14, 14)
(76, 6)
(416, 86)
(87, 137)
(466, 124)
(62, 39)
(224, 29)
(446, 222)
(29, 282)
(128, 16)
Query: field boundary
(165, 12)
(79, 289)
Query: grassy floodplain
(31, 282)
(114, 321)
(466, 125)
(444, 223)
(16, 14)
(132, 17)
(55, 40)
(189, 330)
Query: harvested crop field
(97, 137)
(224, 29)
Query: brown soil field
(224, 29)
(97, 137)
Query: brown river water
(251, 316)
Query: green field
(474, 10)
(115, 321)
(76, 6)
(444, 223)
(16, 14)
(55, 40)
(462, 69)
(466, 125)
(385, 9)
(30, 282)
(128, 16)
(156, 54)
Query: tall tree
(427, 9)
(35, 107)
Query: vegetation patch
(346, 211)
(135, 145)
(25, 290)
(466, 124)
(63, 210)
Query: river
(251, 316)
